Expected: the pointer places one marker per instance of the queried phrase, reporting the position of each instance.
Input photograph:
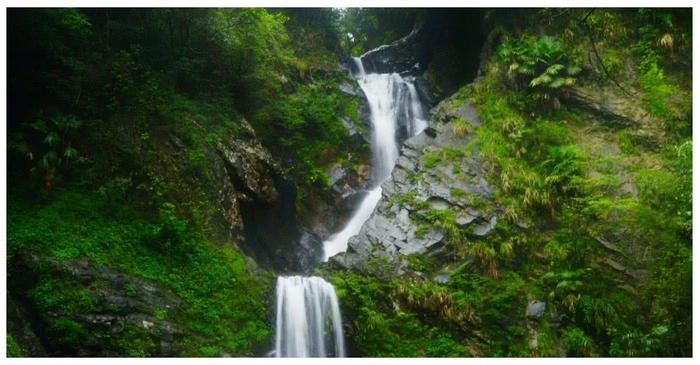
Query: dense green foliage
(14, 349)
(362, 29)
(142, 68)
(541, 64)
(115, 116)
(209, 277)
(428, 319)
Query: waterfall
(392, 99)
(308, 318)
(308, 322)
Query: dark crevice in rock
(443, 53)
(274, 236)
(258, 204)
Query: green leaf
(573, 70)
(70, 153)
(52, 139)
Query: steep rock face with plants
(581, 132)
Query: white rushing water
(339, 241)
(391, 98)
(308, 322)
(308, 318)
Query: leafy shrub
(657, 90)
(670, 190)
(543, 64)
(380, 330)
(636, 344)
(461, 127)
(14, 349)
(561, 165)
(171, 233)
(47, 143)
(577, 343)
(430, 159)
(306, 125)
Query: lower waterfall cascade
(308, 320)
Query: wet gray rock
(245, 171)
(257, 204)
(535, 309)
(347, 181)
(445, 112)
(350, 126)
(20, 327)
(250, 168)
(463, 218)
(441, 278)
(348, 88)
(618, 109)
(485, 228)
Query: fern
(543, 64)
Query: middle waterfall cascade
(391, 99)
(308, 322)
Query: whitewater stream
(308, 321)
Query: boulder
(535, 309)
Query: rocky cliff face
(114, 307)
(257, 203)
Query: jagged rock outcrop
(258, 205)
(247, 176)
(409, 54)
(441, 52)
(436, 170)
(20, 328)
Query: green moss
(419, 262)
(209, 278)
(14, 349)
(422, 230)
(458, 193)
(160, 314)
(430, 159)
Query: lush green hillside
(114, 132)
(144, 143)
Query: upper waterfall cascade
(308, 322)
(392, 99)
